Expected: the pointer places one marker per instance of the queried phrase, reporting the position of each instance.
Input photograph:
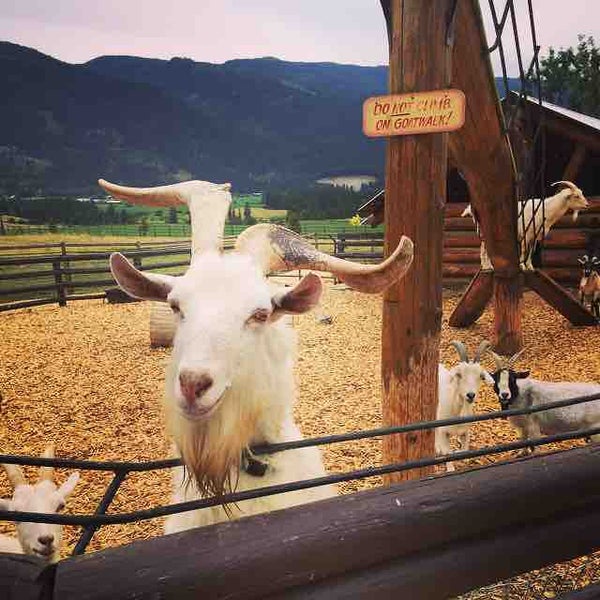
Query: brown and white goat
(230, 384)
(589, 285)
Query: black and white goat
(515, 389)
(589, 285)
(457, 391)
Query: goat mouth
(45, 552)
(199, 413)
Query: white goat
(457, 391)
(569, 197)
(230, 383)
(515, 389)
(39, 539)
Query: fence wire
(92, 522)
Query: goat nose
(471, 396)
(45, 540)
(504, 395)
(194, 384)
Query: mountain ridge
(259, 123)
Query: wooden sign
(411, 114)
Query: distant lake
(352, 181)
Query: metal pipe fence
(91, 523)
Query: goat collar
(252, 465)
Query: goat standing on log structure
(230, 383)
(569, 197)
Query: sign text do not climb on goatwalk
(410, 114)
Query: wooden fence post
(137, 260)
(60, 287)
(415, 197)
(66, 264)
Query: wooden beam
(511, 552)
(482, 151)
(481, 148)
(507, 314)
(557, 297)
(575, 163)
(415, 196)
(305, 546)
(474, 300)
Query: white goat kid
(230, 384)
(517, 390)
(457, 392)
(569, 197)
(39, 539)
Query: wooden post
(60, 286)
(66, 264)
(415, 196)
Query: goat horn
(47, 473)
(568, 184)
(461, 349)
(501, 363)
(208, 204)
(279, 249)
(15, 475)
(481, 350)
(515, 357)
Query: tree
(571, 77)
(292, 220)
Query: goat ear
(303, 297)
(522, 374)
(66, 489)
(146, 286)
(5, 504)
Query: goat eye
(260, 315)
(60, 507)
(176, 310)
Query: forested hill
(257, 123)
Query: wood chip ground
(86, 377)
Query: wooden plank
(24, 577)
(459, 224)
(512, 552)
(416, 169)
(275, 552)
(473, 301)
(462, 255)
(557, 297)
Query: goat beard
(212, 450)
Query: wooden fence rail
(424, 540)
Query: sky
(342, 31)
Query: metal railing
(120, 470)
(531, 165)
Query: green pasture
(181, 229)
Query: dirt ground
(86, 377)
